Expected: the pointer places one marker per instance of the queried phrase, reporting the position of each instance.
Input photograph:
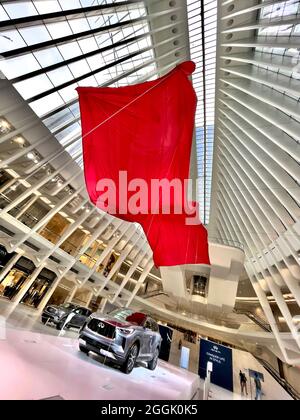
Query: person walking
(258, 390)
(243, 382)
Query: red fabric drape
(145, 130)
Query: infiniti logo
(101, 325)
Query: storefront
(15, 279)
(5, 256)
(39, 288)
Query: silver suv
(122, 336)
(61, 315)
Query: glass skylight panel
(47, 6)
(14, 67)
(3, 14)
(60, 122)
(207, 115)
(18, 9)
(49, 56)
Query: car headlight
(125, 331)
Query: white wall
(271, 389)
(241, 360)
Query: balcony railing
(227, 242)
(286, 385)
(255, 318)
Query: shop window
(15, 279)
(90, 257)
(34, 214)
(54, 228)
(39, 288)
(5, 256)
(4, 178)
(108, 264)
(74, 242)
(200, 285)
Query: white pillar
(89, 299)
(26, 207)
(72, 294)
(128, 275)
(107, 250)
(102, 305)
(8, 184)
(66, 234)
(140, 281)
(44, 220)
(124, 254)
(9, 265)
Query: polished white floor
(38, 364)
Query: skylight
(203, 53)
(53, 57)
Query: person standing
(243, 382)
(258, 390)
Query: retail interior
(198, 326)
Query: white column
(53, 287)
(66, 234)
(28, 283)
(102, 305)
(93, 237)
(128, 275)
(9, 265)
(8, 184)
(89, 298)
(44, 220)
(26, 207)
(140, 281)
(124, 254)
(72, 294)
(32, 189)
(106, 252)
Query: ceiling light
(36, 161)
(87, 210)
(19, 140)
(5, 127)
(30, 155)
(59, 183)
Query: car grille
(102, 328)
(95, 343)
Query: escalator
(273, 372)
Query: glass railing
(255, 318)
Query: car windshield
(121, 314)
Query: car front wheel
(83, 349)
(129, 364)
(153, 363)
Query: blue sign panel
(221, 358)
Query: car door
(154, 339)
(147, 339)
(79, 317)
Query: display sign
(253, 373)
(184, 357)
(221, 359)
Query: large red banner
(136, 142)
